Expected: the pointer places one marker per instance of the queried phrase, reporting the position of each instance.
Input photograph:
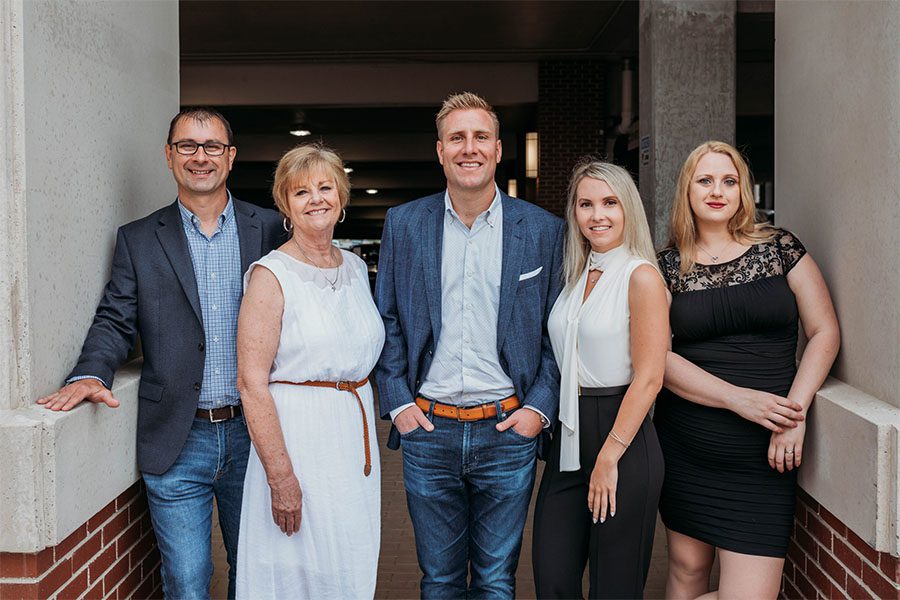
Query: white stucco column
(88, 90)
(837, 176)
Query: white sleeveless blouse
(591, 340)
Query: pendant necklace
(313, 263)
(714, 257)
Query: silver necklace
(313, 263)
(714, 257)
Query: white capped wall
(837, 182)
(87, 95)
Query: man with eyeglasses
(177, 282)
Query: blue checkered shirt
(217, 268)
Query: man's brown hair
(465, 101)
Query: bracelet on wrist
(613, 435)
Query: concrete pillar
(686, 70)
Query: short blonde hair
(637, 233)
(743, 226)
(465, 101)
(299, 163)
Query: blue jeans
(211, 464)
(468, 487)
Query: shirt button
(468, 273)
(212, 275)
(216, 338)
(217, 371)
(214, 307)
(469, 306)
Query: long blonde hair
(636, 235)
(743, 226)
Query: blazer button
(201, 347)
(197, 386)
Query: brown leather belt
(488, 410)
(346, 386)
(217, 415)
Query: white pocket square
(530, 274)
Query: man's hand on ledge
(73, 394)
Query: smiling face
(599, 214)
(715, 189)
(314, 203)
(469, 150)
(199, 174)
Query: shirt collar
(493, 212)
(192, 220)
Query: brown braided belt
(346, 386)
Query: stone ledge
(850, 462)
(67, 465)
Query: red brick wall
(112, 556)
(571, 113)
(827, 560)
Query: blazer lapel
(513, 249)
(171, 236)
(432, 250)
(249, 234)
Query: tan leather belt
(488, 410)
(217, 415)
(346, 386)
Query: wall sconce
(512, 188)
(531, 155)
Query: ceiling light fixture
(348, 170)
(371, 191)
(300, 132)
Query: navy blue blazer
(408, 295)
(152, 292)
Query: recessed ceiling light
(371, 191)
(348, 170)
(300, 132)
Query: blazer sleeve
(391, 372)
(544, 392)
(114, 330)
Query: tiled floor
(398, 572)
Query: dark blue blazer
(408, 295)
(152, 292)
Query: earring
(343, 215)
(288, 226)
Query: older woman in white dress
(308, 336)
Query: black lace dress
(738, 321)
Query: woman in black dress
(731, 419)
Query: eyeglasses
(188, 148)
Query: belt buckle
(230, 416)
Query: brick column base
(112, 556)
(827, 560)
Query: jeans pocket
(411, 433)
(522, 438)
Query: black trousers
(565, 539)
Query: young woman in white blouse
(610, 332)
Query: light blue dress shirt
(217, 268)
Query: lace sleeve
(790, 249)
(667, 265)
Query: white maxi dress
(326, 335)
